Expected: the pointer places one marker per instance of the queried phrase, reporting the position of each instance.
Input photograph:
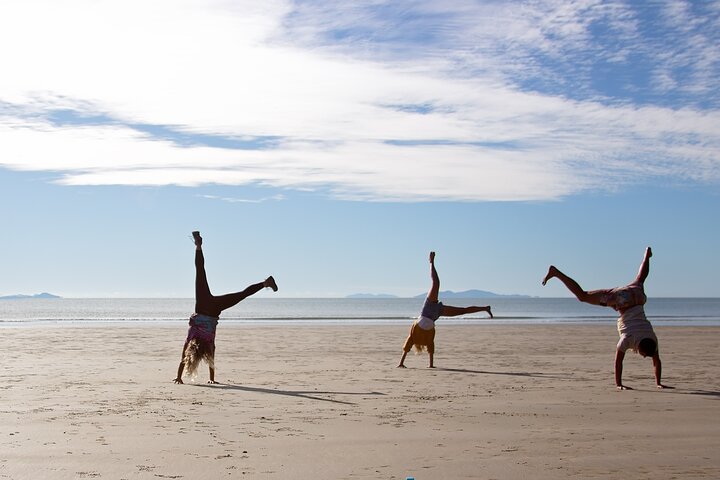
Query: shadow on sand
(702, 393)
(512, 374)
(310, 395)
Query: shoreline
(349, 322)
(327, 402)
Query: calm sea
(66, 311)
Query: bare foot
(664, 387)
(432, 257)
(270, 282)
(552, 272)
(178, 381)
(489, 312)
(648, 252)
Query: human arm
(619, 357)
(657, 365)
(181, 367)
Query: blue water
(660, 311)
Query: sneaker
(197, 238)
(270, 282)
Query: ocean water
(322, 311)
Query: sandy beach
(326, 402)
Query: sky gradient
(333, 144)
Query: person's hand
(623, 387)
(178, 381)
(660, 386)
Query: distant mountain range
(445, 294)
(473, 294)
(371, 295)
(37, 295)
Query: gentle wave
(265, 311)
(498, 320)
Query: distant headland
(445, 294)
(23, 297)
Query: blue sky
(333, 144)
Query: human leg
(223, 302)
(203, 297)
(644, 267)
(450, 311)
(435, 288)
(595, 297)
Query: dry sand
(326, 402)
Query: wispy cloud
(398, 101)
(244, 200)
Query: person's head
(647, 347)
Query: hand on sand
(401, 366)
(623, 387)
(212, 382)
(660, 386)
(178, 381)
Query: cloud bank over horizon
(390, 101)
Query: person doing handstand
(422, 331)
(636, 332)
(200, 342)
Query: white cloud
(347, 121)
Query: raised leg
(595, 297)
(203, 297)
(435, 288)
(223, 302)
(208, 304)
(644, 267)
(450, 311)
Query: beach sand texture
(326, 402)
